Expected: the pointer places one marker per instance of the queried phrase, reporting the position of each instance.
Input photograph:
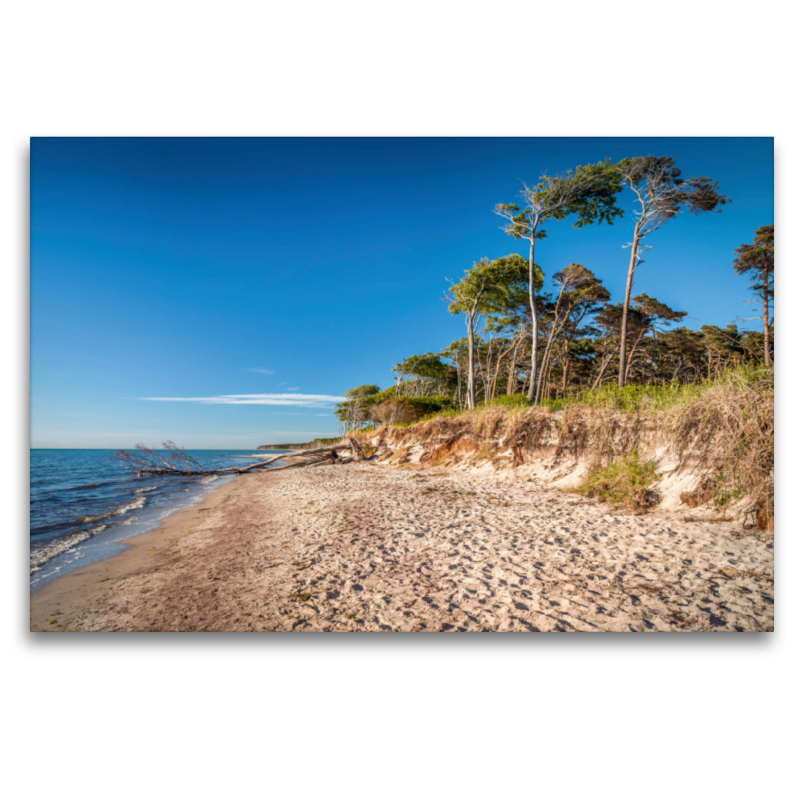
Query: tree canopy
(568, 338)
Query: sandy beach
(367, 547)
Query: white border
(394, 716)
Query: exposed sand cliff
(559, 449)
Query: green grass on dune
(631, 398)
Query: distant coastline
(303, 446)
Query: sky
(225, 293)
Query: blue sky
(267, 276)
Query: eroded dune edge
(370, 547)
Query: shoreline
(66, 593)
(369, 547)
(84, 505)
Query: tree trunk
(548, 349)
(623, 344)
(487, 383)
(471, 363)
(512, 372)
(493, 389)
(630, 357)
(534, 317)
(554, 330)
(603, 364)
(603, 367)
(549, 385)
(766, 319)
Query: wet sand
(367, 547)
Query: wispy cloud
(298, 400)
(261, 370)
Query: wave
(146, 489)
(124, 509)
(43, 553)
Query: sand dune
(364, 547)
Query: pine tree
(661, 194)
(759, 260)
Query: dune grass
(635, 397)
(631, 398)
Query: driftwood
(146, 461)
(358, 450)
(297, 453)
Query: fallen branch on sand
(146, 461)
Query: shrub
(510, 401)
(429, 405)
(552, 405)
(393, 411)
(427, 408)
(625, 482)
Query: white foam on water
(70, 549)
(42, 554)
(137, 503)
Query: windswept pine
(661, 194)
(758, 261)
(556, 345)
(588, 193)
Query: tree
(651, 313)
(589, 193)
(353, 412)
(578, 294)
(392, 412)
(456, 352)
(609, 321)
(724, 344)
(677, 352)
(512, 320)
(759, 260)
(422, 375)
(482, 290)
(661, 194)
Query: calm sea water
(83, 503)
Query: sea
(84, 503)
